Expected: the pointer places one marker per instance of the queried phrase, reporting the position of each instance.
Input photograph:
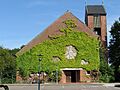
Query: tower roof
(95, 10)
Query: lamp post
(39, 71)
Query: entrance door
(72, 76)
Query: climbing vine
(86, 46)
(70, 25)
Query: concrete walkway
(71, 86)
(55, 84)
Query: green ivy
(70, 25)
(87, 49)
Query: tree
(106, 72)
(7, 65)
(114, 49)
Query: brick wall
(63, 78)
(103, 28)
(90, 22)
(84, 77)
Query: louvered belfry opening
(97, 21)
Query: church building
(68, 45)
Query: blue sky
(22, 20)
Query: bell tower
(95, 19)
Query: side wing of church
(68, 45)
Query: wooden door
(68, 76)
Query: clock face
(71, 52)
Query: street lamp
(39, 71)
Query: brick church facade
(95, 26)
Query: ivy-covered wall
(87, 49)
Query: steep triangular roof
(54, 29)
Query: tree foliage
(114, 49)
(106, 72)
(7, 65)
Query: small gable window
(83, 62)
(87, 72)
(56, 59)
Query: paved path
(63, 87)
